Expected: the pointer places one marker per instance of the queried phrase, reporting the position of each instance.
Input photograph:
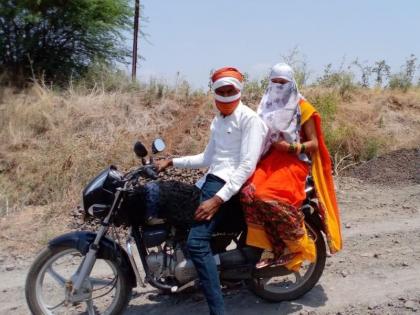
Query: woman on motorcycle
(273, 195)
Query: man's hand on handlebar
(161, 165)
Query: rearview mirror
(140, 149)
(158, 146)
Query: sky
(192, 37)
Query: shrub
(339, 80)
(346, 142)
(253, 91)
(326, 104)
(404, 79)
(351, 145)
(106, 78)
(399, 81)
(371, 148)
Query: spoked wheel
(51, 277)
(279, 284)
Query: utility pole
(135, 38)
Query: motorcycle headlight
(96, 183)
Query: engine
(167, 260)
(170, 262)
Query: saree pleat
(271, 201)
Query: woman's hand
(309, 134)
(208, 208)
(281, 145)
(161, 165)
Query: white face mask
(227, 99)
(282, 92)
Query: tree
(59, 39)
(410, 68)
(299, 64)
(382, 70)
(366, 72)
(403, 80)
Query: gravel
(396, 168)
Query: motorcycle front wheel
(50, 280)
(278, 284)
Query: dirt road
(378, 272)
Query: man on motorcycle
(237, 137)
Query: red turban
(227, 72)
(227, 76)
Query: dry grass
(52, 143)
(368, 123)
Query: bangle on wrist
(292, 148)
(298, 148)
(303, 148)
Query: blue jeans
(152, 199)
(198, 245)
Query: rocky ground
(378, 271)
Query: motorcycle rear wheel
(281, 287)
(52, 271)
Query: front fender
(108, 249)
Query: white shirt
(232, 153)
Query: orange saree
(273, 195)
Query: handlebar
(150, 171)
(146, 171)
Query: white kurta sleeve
(203, 159)
(254, 132)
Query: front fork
(131, 258)
(90, 258)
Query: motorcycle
(92, 272)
